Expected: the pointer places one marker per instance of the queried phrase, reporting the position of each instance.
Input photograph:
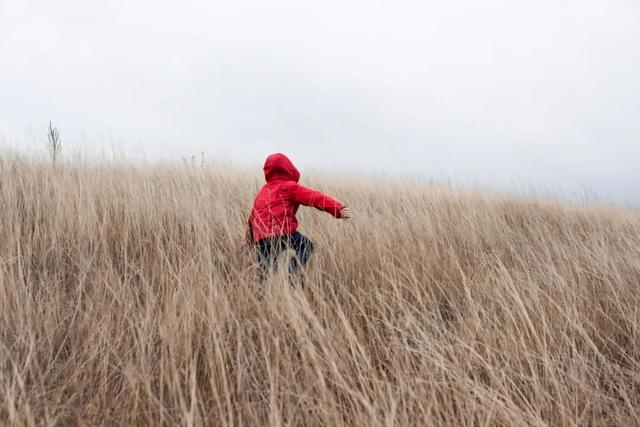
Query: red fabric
(274, 209)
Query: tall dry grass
(127, 298)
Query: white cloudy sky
(542, 94)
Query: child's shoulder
(278, 186)
(288, 184)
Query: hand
(345, 213)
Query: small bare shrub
(54, 143)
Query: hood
(279, 167)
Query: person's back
(272, 225)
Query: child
(272, 225)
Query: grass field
(127, 297)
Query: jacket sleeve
(308, 197)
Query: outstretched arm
(308, 197)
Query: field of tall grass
(128, 298)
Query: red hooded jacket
(274, 209)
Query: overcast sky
(542, 94)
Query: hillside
(127, 297)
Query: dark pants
(269, 250)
